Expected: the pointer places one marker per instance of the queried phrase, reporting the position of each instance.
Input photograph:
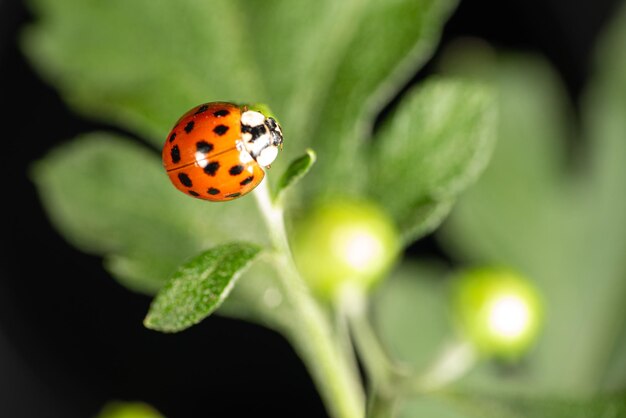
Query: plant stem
(390, 381)
(330, 367)
(377, 363)
(456, 359)
(380, 406)
(383, 374)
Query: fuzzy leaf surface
(435, 145)
(199, 287)
(296, 170)
(110, 196)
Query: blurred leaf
(378, 52)
(605, 109)
(111, 197)
(156, 61)
(410, 313)
(296, 170)
(198, 287)
(562, 226)
(431, 407)
(432, 148)
(471, 405)
(259, 297)
(306, 61)
(615, 378)
(517, 214)
(128, 410)
(528, 157)
(481, 406)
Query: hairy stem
(455, 360)
(313, 337)
(390, 381)
(377, 363)
(384, 375)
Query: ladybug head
(262, 137)
(275, 132)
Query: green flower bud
(343, 244)
(128, 410)
(497, 310)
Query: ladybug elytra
(218, 151)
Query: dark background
(71, 338)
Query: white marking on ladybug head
(261, 137)
(252, 118)
(258, 143)
(245, 157)
(267, 155)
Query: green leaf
(482, 406)
(410, 313)
(532, 126)
(259, 297)
(434, 146)
(159, 59)
(605, 107)
(378, 48)
(296, 170)
(565, 230)
(533, 232)
(326, 68)
(199, 286)
(478, 405)
(111, 197)
(430, 406)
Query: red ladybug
(217, 151)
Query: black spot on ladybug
(175, 153)
(185, 180)
(211, 168)
(173, 137)
(236, 170)
(221, 113)
(213, 191)
(255, 131)
(247, 180)
(201, 109)
(234, 194)
(204, 147)
(271, 123)
(220, 129)
(189, 127)
(191, 192)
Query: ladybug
(217, 151)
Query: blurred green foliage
(118, 409)
(480, 406)
(327, 69)
(557, 216)
(433, 147)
